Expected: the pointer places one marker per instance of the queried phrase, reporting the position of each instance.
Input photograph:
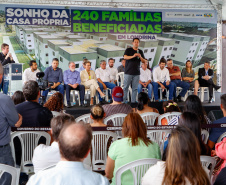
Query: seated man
(113, 71)
(145, 79)
(205, 79)
(103, 78)
(161, 79)
(215, 133)
(30, 73)
(72, 82)
(122, 67)
(34, 115)
(175, 76)
(55, 75)
(74, 144)
(83, 65)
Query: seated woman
(18, 97)
(188, 76)
(182, 165)
(88, 79)
(97, 115)
(135, 145)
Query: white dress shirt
(113, 73)
(67, 173)
(145, 75)
(103, 74)
(161, 75)
(29, 75)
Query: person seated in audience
(18, 97)
(215, 133)
(103, 78)
(175, 76)
(206, 79)
(143, 101)
(161, 79)
(97, 115)
(72, 81)
(74, 143)
(113, 71)
(145, 80)
(117, 106)
(45, 156)
(188, 75)
(34, 115)
(54, 75)
(221, 178)
(182, 165)
(134, 146)
(121, 68)
(88, 79)
(30, 73)
(169, 106)
(83, 65)
(55, 103)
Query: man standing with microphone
(133, 58)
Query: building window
(91, 37)
(193, 51)
(53, 53)
(177, 42)
(21, 34)
(152, 50)
(167, 56)
(101, 39)
(175, 49)
(47, 62)
(61, 59)
(196, 44)
(190, 51)
(47, 54)
(146, 50)
(187, 58)
(29, 45)
(172, 55)
(190, 57)
(29, 40)
(165, 48)
(150, 59)
(28, 35)
(192, 44)
(170, 48)
(46, 46)
(76, 65)
(30, 50)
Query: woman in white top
(182, 165)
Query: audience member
(18, 97)
(215, 133)
(34, 115)
(55, 75)
(188, 75)
(113, 71)
(103, 78)
(8, 118)
(145, 79)
(97, 115)
(182, 165)
(206, 79)
(72, 81)
(74, 143)
(221, 178)
(175, 76)
(30, 73)
(83, 65)
(45, 156)
(134, 146)
(121, 68)
(88, 79)
(161, 79)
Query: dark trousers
(80, 88)
(207, 83)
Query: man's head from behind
(223, 103)
(117, 94)
(5, 48)
(31, 91)
(75, 141)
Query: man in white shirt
(74, 144)
(113, 71)
(145, 79)
(161, 79)
(30, 73)
(103, 78)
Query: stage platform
(77, 111)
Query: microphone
(137, 52)
(40, 74)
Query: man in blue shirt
(215, 133)
(72, 81)
(54, 74)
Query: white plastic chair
(73, 96)
(99, 148)
(14, 172)
(168, 116)
(221, 137)
(149, 118)
(85, 118)
(28, 140)
(167, 93)
(207, 162)
(138, 169)
(205, 135)
(121, 77)
(202, 92)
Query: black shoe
(217, 87)
(69, 106)
(83, 105)
(179, 98)
(103, 102)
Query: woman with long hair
(135, 145)
(97, 115)
(182, 165)
(188, 75)
(55, 103)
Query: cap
(117, 94)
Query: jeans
(6, 158)
(80, 88)
(59, 88)
(171, 88)
(184, 85)
(149, 87)
(4, 86)
(108, 85)
(128, 79)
